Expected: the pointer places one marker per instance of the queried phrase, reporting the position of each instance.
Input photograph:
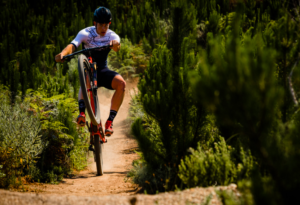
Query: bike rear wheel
(98, 154)
(90, 97)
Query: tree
(166, 97)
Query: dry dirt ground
(187, 197)
(113, 187)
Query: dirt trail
(118, 157)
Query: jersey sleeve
(80, 38)
(114, 36)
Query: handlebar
(68, 57)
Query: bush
(129, 61)
(20, 139)
(141, 173)
(216, 166)
(67, 144)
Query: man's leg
(118, 84)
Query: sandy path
(191, 196)
(118, 158)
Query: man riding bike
(99, 35)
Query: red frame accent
(90, 92)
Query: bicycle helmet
(102, 15)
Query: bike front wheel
(90, 97)
(98, 154)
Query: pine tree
(166, 96)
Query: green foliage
(49, 27)
(32, 42)
(216, 166)
(240, 76)
(39, 138)
(166, 98)
(141, 173)
(129, 61)
(229, 198)
(242, 79)
(78, 158)
(282, 35)
(20, 139)
(67, 146)
(73, 76)
(136, 109)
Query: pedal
(103, 142)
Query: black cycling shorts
(105, 77)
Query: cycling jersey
(90, 38)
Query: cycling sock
(81, 106)
(112, 115)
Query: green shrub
(73, 77)
(67, 144)
(141, 173)
(216, 166)
(129, 61)
(136, 109)
(20, 139)
(78, 155)
(152, 180)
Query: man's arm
(67, 50)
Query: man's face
(101, 28)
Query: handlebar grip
(67, 57)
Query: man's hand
(115, 45)
(59, 58)
(67, 50)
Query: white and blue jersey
(90, 38)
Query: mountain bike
(87, 70)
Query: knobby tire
(89, 98)
(99, 155)
(85, 81)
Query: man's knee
(122, 85)
(118, 83)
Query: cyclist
(99, 35)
